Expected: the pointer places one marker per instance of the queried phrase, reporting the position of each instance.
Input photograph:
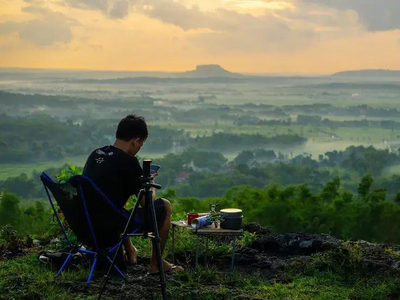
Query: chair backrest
(92, 217)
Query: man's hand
(154, 175)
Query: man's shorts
(144, 218)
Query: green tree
(365, 186)
(10, 213)
(331, 189)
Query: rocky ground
(269, 255)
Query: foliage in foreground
(366, 215)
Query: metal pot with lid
(231, 218)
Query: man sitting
(116, 171)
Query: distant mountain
(368, 73)
(210, 71)
(201, 71)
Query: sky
(248, 36)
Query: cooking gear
(231, 218)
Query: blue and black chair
(93, 218)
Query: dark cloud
(101, 5)
(187, 18)
(119, 10)
(49, 28)
(376, 15)
(114, 9)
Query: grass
(336, 274)
(25, 278)
(331, 275)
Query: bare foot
(168, 267)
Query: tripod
(145, 179)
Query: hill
(201, 71)
(368, 73)
(210, 71)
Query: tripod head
(146, 178)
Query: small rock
(263, 264)
(36, 243)
(256, 228)
(306, 244)
(54, 241)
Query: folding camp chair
(89, 214)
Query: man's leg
(131, 251)
(163, 231)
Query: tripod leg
(120, 243)
(157, 244)
(116, 268)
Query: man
(116, 171)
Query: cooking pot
(231, 218)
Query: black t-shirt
(115, 172)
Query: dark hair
(132, 127)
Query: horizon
(146, 71)
(21, 69)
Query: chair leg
(91, 271)
(64, 264)
(116, 268)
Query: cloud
(119, 10)
(258, 35)
(101, 5)
(288, 28)
(114, 9)
(227, 29)
(49, 28)
(376, 15)
(186, 18)
(34, 2)
(233, 31)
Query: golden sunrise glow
(252, 4)
(240, 35)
